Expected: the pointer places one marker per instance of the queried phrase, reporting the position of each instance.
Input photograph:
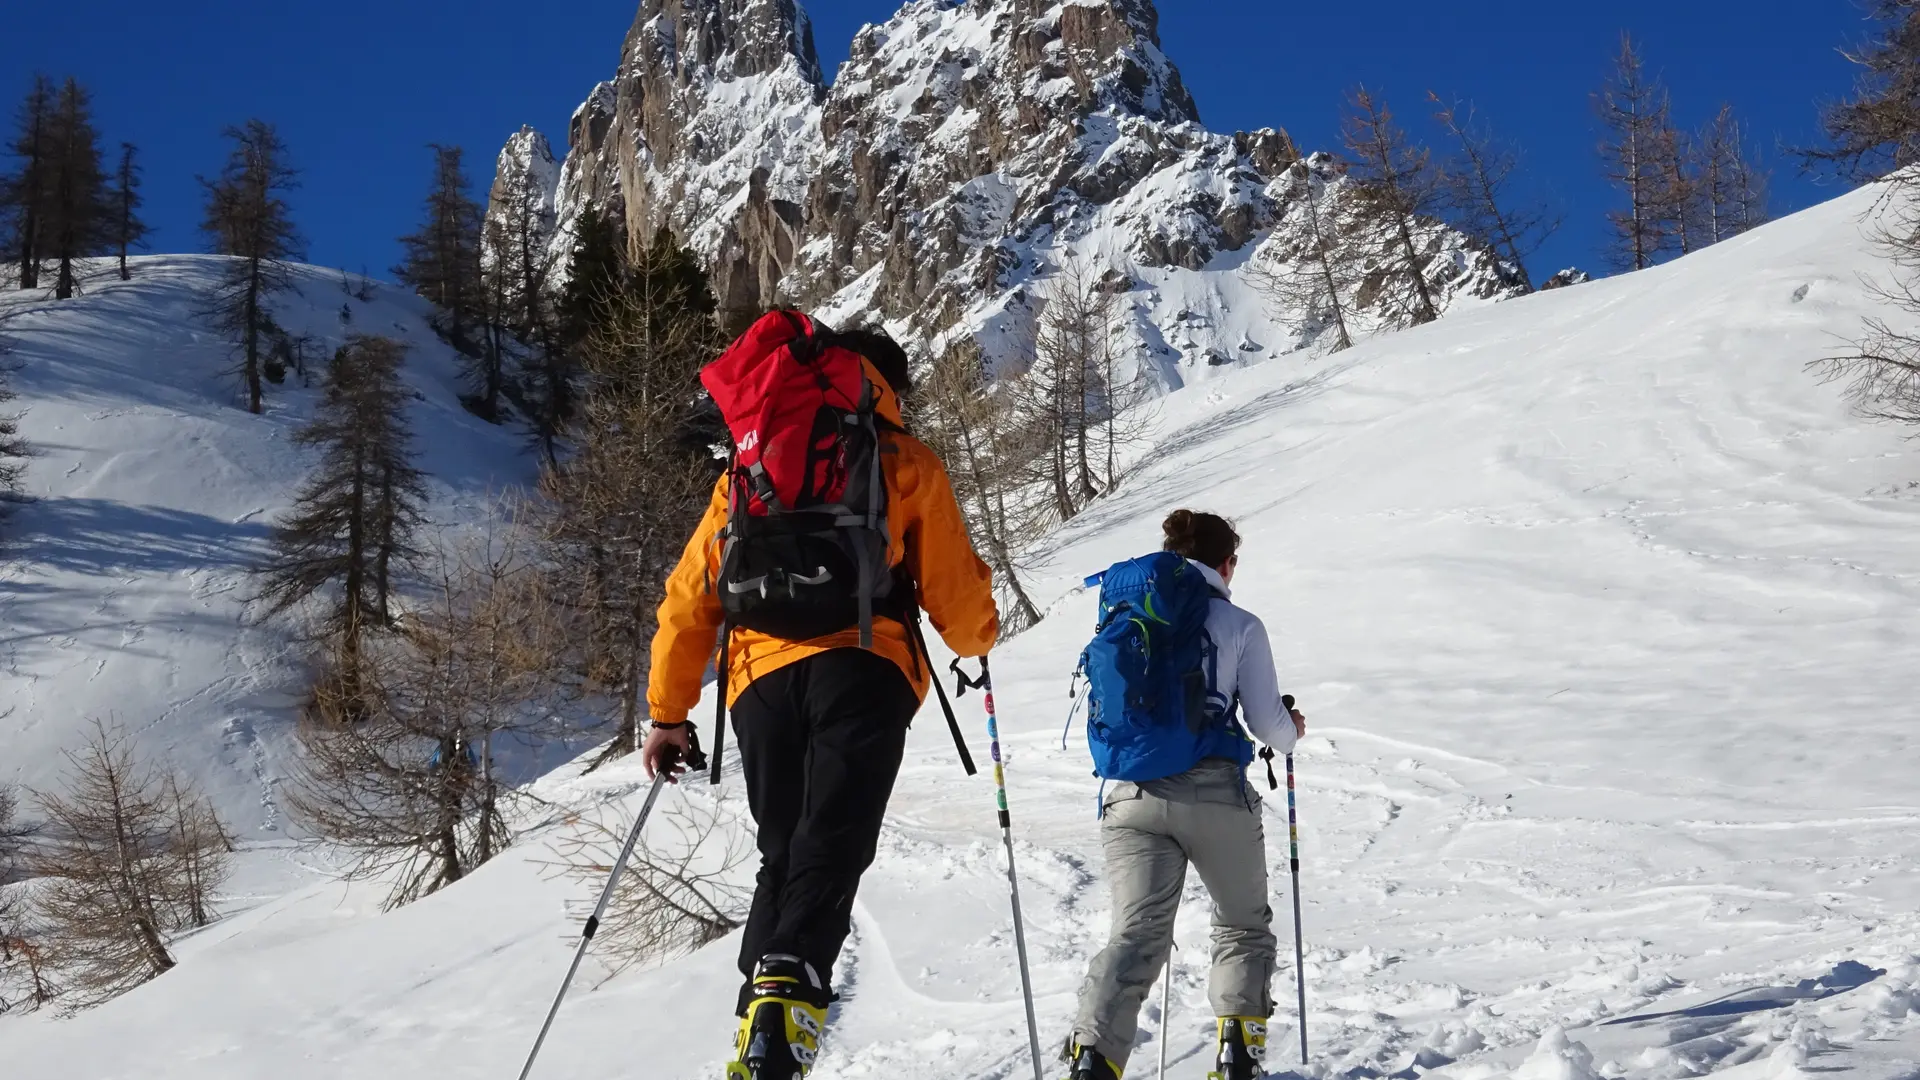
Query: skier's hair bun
(1200, 536)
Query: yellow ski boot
(1243, 1049)
(1088, 1064)
(779, 1037)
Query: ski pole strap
(720, 666)
(953, 722)
(1266, 755)
(962, 683)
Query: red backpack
(805, 546)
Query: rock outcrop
(964, 154)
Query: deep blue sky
(358, 87)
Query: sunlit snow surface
(124, 577)
(1602, 609)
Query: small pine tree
(1634, 110)
(1877, 130)
(442, 260)
(1395, 189)
(78, 218)
(247, 217)
(129, 231)
(355, 518)
(24, 194)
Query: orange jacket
(928, 535)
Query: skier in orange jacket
(821, 724)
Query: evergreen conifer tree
(442, 260)
(128, 230)
(593, 276)
(355, 518)
(24, 192)
(78, 214)
(247, 217)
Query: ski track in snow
(1593, 601)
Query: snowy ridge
(124, 581)
(963, 155)
(1590, 599)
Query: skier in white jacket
(1209, 817)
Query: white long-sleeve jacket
(1244, 668)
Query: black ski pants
(820, 743)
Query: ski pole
(985, 684)
(1166, 997)
(696, 761)
(1293, 846)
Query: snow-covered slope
(123, 578)
(1599, 605)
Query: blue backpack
(1147, 673)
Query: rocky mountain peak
(965, 152)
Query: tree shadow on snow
(99, 536)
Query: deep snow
(123, 577)
(1599, 605)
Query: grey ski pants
(1209, 817)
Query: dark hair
(886, 355)
(1200, 536)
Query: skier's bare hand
(666, 750)
(1299, 722)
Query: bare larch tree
(1311, 278)
(403, 772)
(959, 415)
(1635, 113)
(1477, 186)
(247, 217)
(114, 880)
(1730, 188)
(617, 512)
(684, 888)
(1877, 130)
(516, 250)
(1395, 190)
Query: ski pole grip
(696, 759)
(1286, 701)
